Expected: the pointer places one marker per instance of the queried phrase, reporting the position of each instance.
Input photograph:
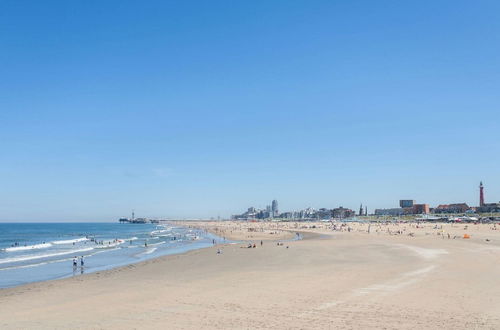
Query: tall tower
(481, 194)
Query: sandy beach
(356, 276)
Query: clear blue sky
(203, 108)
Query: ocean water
(31, 252)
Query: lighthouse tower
(481, 194)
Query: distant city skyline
(405, 207)
(201, 109)
(274, 212)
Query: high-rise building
(361, 210)
(267, 213)
(274, 208)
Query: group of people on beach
(75, 262)
(116, 240)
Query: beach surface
(352, 276)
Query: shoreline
(344, 278)
(286, 235)
(59, 271)
(99, 273)
(221, 241)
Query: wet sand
(395, 277)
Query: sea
(31, 252)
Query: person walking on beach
(74, 262)
(81, 261)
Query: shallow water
(31, 252)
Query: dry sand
(332, 279)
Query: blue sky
(203, 108)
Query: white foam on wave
(56, 261)
(40, 256)
(161, 231)
(28, 247)
(176, 240)
(154, 244)
(110, 244)
(104, 250)
(149, 251)
(70, 241)
(193, 237)
(36, 265)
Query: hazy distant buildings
(308, 213)
(452, 208)
(420, 209)
(135, 220)
(489, 208)
(486, 207)
(268, 213)
(363, 211)
(272, 212)
(342, 213)
(324, 214)
(288, 215)
(395, 212)
(407, 207)
(406, 203)
(274, 208)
